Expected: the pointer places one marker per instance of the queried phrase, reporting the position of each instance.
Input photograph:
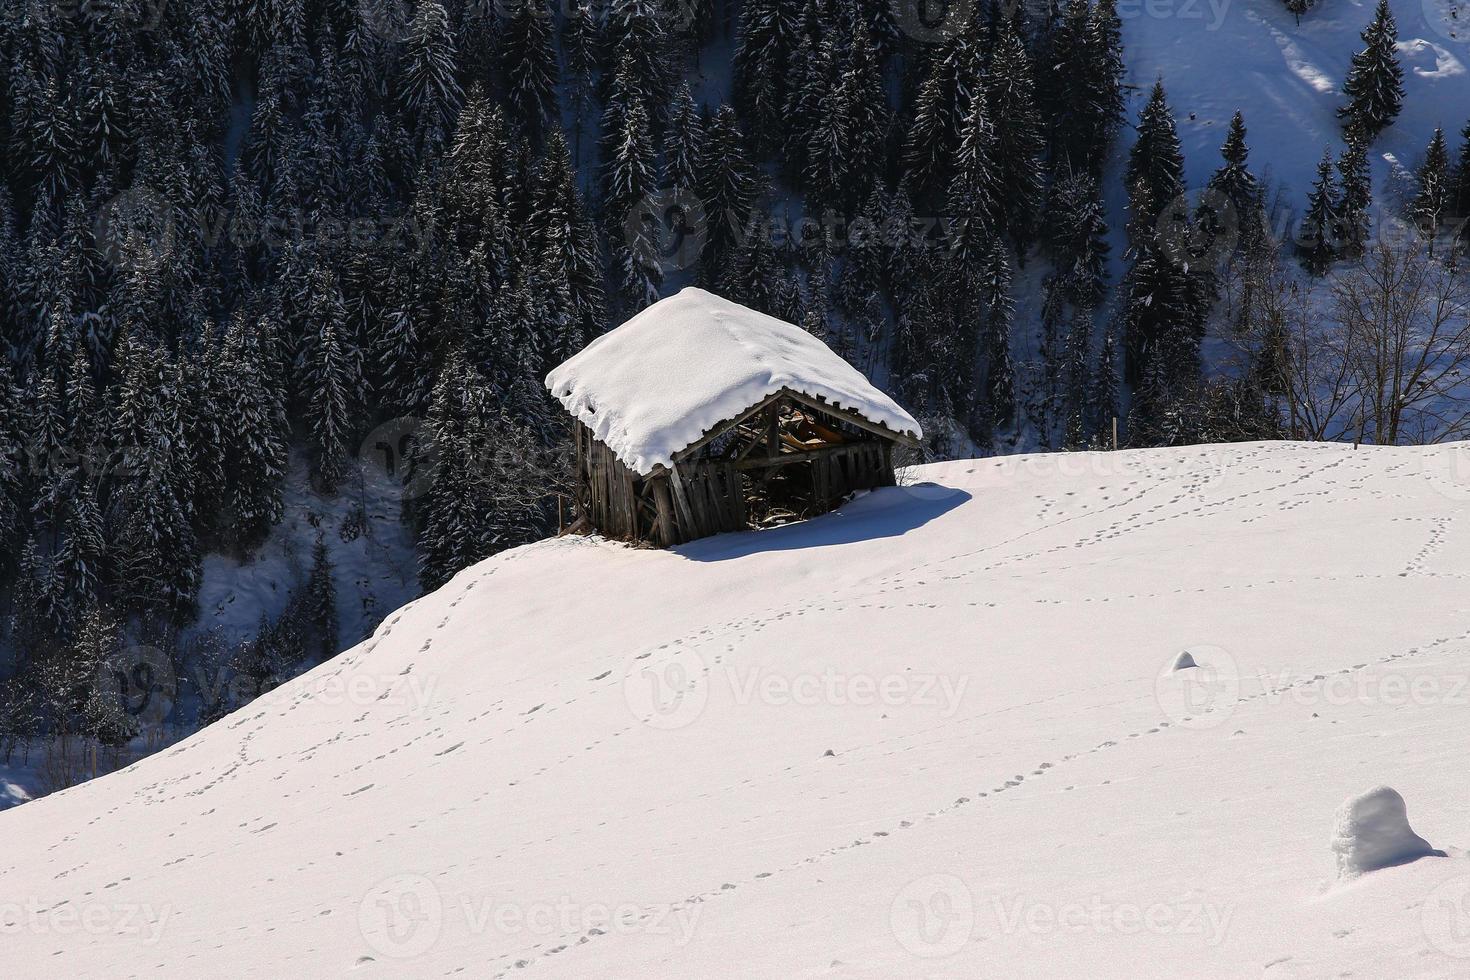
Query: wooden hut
(699, 415)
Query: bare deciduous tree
(1379, 350)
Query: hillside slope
(933, 734)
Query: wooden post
(1115, 433)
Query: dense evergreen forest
(235, 233)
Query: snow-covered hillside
(1217, 56)
(938, 733)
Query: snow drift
(1373, 833)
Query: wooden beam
(719, 428)
(852, 417)
(665, 504)
(688, 529)
(805, 456)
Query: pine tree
(1430, 206)
(430, 93)
(1321, 222)
(868, 117)
(566, 237)
(1075, 239)
(1105, 387)
(928, 146)
(330, 369)
(318, 611)
(628, 180)
(1460, 182)
(683, 141)
(528, 63)
(1018, 142)
(579, 42)
(1234, 185)
(1354, 198)
(974, 195)
(255, 440)
(1375, 82)
(1155, 175)
(637, 45)
(766, 37)
(156, 565)
(729, 185)
(998, 306)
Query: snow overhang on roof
(659, 382)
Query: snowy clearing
(946, 731)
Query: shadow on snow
(883, 513)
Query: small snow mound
(1184, 661)
(1373, 832)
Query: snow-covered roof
(662, 380)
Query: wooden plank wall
(608, 489)
(706, 497)
(857, 466)
(715, 498)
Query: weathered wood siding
(700, 497)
